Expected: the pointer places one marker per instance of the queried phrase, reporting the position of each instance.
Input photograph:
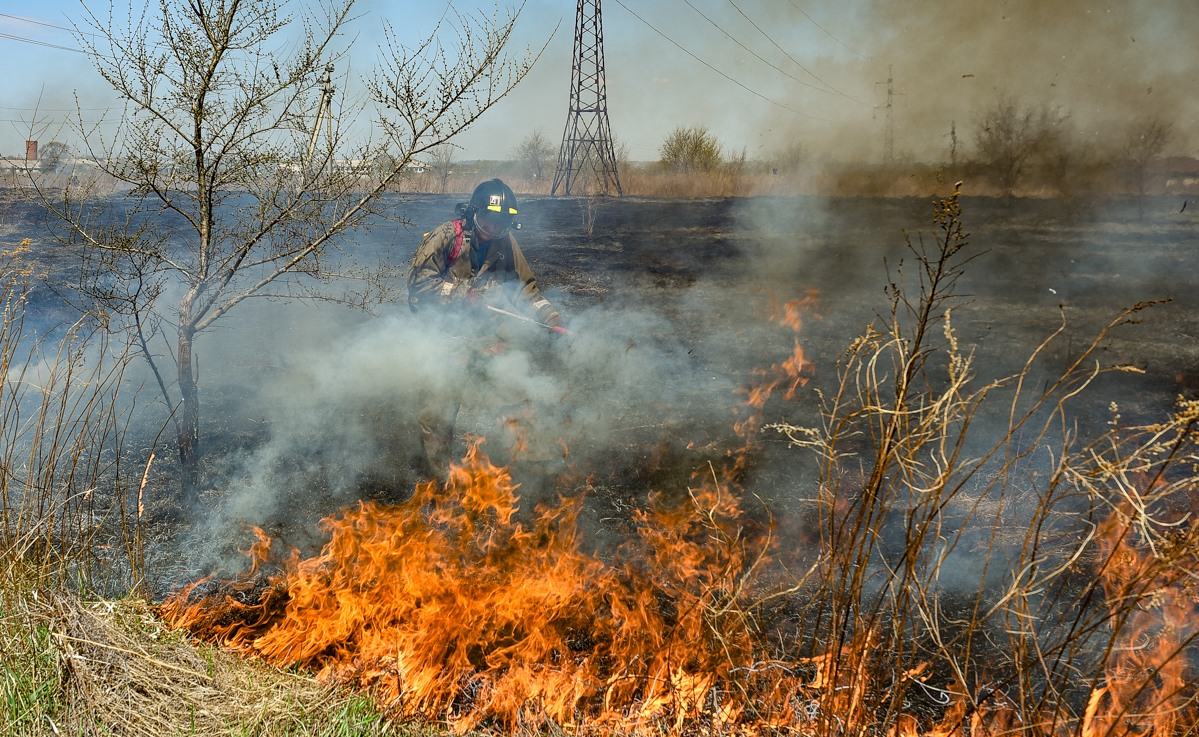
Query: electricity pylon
(586, 142)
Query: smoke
(336, 397)
(307, 408)
(673, 306)
(1105, 66)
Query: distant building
(14, 165)
(1180, 172)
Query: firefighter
(469, 268)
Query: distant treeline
(1012, 150)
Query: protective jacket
(444, 274)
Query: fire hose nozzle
(553, 328)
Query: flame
(449, 608)
(1147, 686)
(792, 373)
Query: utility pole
(324, 110)
(953, 143)
(586, 141)
(889, 131)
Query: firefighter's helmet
(493, 207)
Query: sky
(762, 75)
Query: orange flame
(449, 608)
(794, 372)
(1146, 688)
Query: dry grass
(1079, 189)
(72, 525)
(62, 487)
(1074, 616)
(1065, 537)
(111, 667)
(1081, 619)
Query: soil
(705, 278)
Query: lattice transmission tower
(587, 158)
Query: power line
(801, 11)
(792, 58)
(709, 66)
(772, 66)
(11, 37)
(59, 110)
(47, 25)
(8, 120)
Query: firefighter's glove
(481, 296)
(554, 322)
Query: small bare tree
(224, 201)
(592, 201)
(52, 156)
(535, 155)
(1009, 134)
(1065, 160)
(791, 159)
(1144, 143)
(441, 162)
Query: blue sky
(817, 82)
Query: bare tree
(535, 154)
(52, 156)
(1009, 135)
(791, 159)
(441, 161)
(1144, 143)
(224, 203)
(1065, 162)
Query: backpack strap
(457, 244)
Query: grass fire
(890, 537)
(842, 383)
(453, 608)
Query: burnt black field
(305, 409)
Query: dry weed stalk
(916, 483)
(61, 440)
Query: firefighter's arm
(528, 297)
(429, 281)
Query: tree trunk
(189, 424)
(1140, 178)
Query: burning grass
(449, 609)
